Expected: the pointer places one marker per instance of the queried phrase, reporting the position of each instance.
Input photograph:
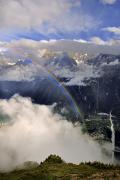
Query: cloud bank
(108, 1)
(114, 30)
(98, 41)
(45, 17)
(30, 136)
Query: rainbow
(66, 93)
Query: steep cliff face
(99, 89)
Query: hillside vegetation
(54, 168)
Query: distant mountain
(93, 80)
(58, 60)
(32, 80)
(99, 93)
(104, 59)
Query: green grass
(54, 168)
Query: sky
(97, 21)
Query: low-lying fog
(34, 132)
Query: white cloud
(116, 62)
(77, 77)
(30, 136)
(97, 40)
(114, 42)
(115, 30)
(108, 1)
(80, 40)
(30, 13)
(43, 16)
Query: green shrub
(54, 159)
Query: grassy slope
(52, 169)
